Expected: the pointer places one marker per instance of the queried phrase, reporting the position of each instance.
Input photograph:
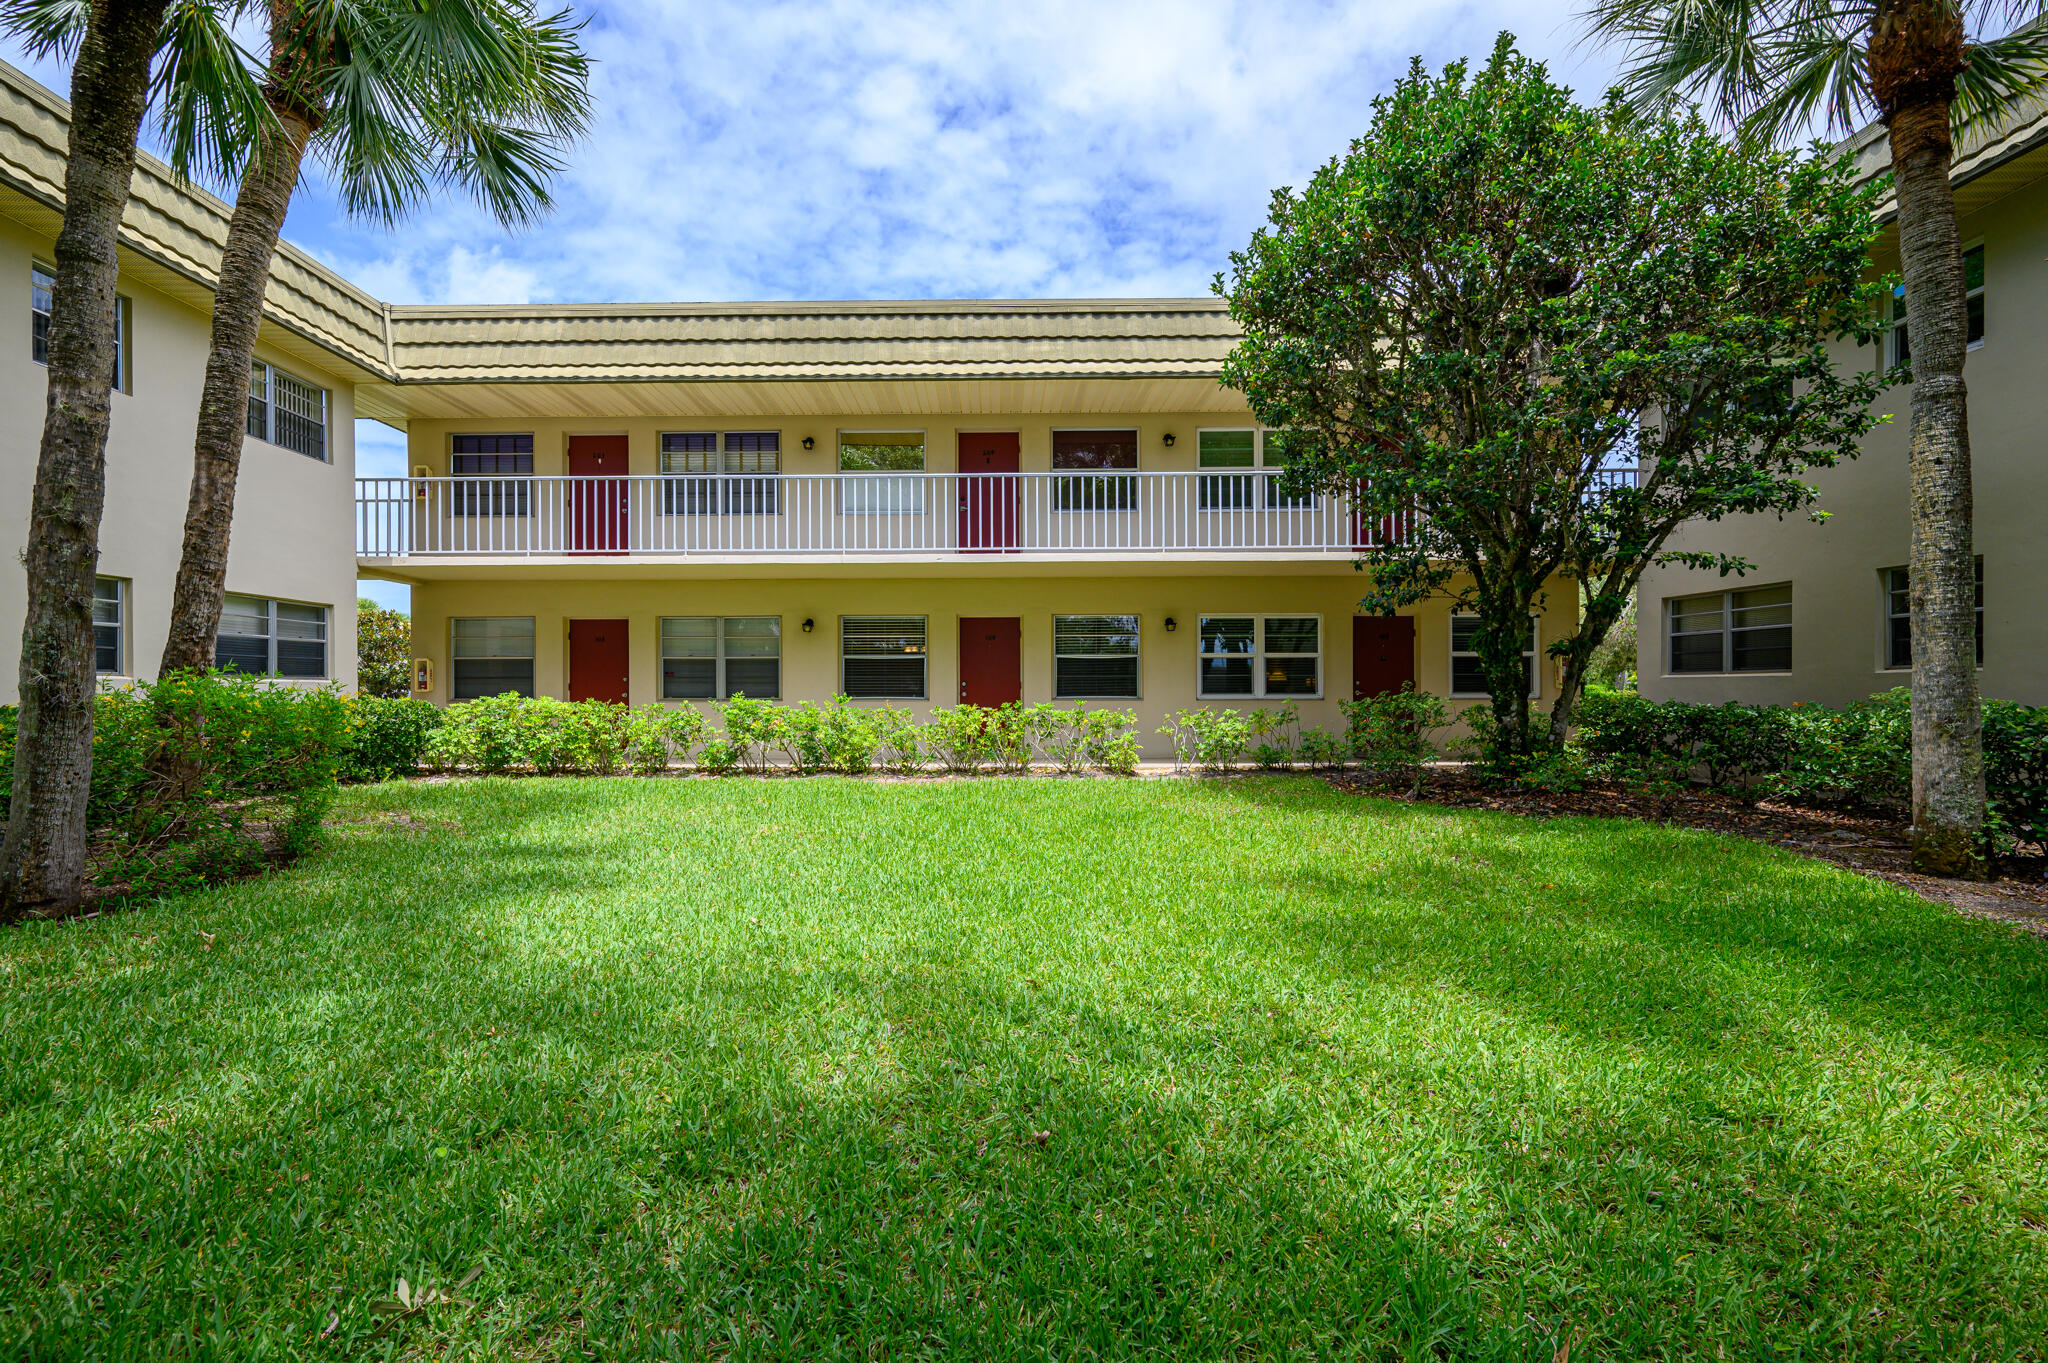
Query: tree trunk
(260, 207)
(42, 859)
(1914, 58)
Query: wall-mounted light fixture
(1167, 440)
(809, 624)
(810, 442)
(1171, 624)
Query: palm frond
(48, 28)
(2001, 72)
(212, 110)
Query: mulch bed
(1869, 843)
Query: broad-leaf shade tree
(397, 100)
(1774, 68)
(1499, 298)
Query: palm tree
(1774, 68)
(113, 42)
(396, 98)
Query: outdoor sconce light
(809, 624)
(1167, 440)
(1171, 625)
(810, 443)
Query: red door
(991, 660)
(988, 505)
(1382, 654)
(597, 499)
(598, 660)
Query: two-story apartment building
(1824, 616)
(904, 502)
(291, 566)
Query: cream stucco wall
(811, 661)
(293, 536)
(1834, 566)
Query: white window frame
(1534, 653)
(119, 624)
(123, 311)
(740, 491)
(268, 434)
(1886, 615)
(273, 637)
(1137, 656)
(1069, 487)
(924, 657)
(1729, 629)
(1259, 654)
(38, 273)
(1274, 501)
(903, 492)
(719, 688)
(1898, 306)
(454, 662)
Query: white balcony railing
(858, 515)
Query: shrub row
(197, 778)
(1858, 754)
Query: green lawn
(1021, 1069)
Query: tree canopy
(1532, 338)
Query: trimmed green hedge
(1858, 754)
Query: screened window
(491, 656)
(705, 657)
(751, 461)
(497, 471)
(281, 638)
(1735, 631)
(1104, 465)
(287, 411)
(1242, 450)
(1260, 655)
(1467, 678)
(1095, 656)
(898, 454)
(882, 657)
(42, 291)
(1898, 617)
(1973, 283)
(109, 625)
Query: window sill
(1683, 676)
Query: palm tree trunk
(42, 858)
(1948, 754)
(260, 207)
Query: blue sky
(749, 149)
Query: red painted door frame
(991, 659)
(599, 659)
(597, 502)
(1382, 654)
(988, 506)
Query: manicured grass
(1022, 1069)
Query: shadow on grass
(692, 1099)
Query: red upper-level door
(988, 504)
(597, 498)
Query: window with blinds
(1101, 462)
(898, 454)
(109, 625)
(491, 656)
(287, 411)
(1242, 450)
(882, 657)
(1259, 655)
(1467, 678)
(707, 657)
(750, 460)
(1737, 631)
(1095, 657)
(1898, 617)
(497, 472)
(276, 638)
